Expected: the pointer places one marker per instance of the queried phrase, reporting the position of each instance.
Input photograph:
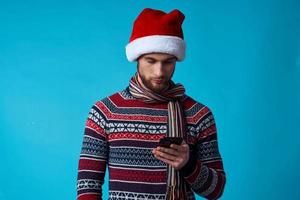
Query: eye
(168, 62)
(150, 61)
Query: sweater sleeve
(93, 157)
(204, 171)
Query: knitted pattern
(121, 132)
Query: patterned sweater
(120, 134)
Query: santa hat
(155, 31)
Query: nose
(158, 69)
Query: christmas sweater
(119, 136)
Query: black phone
(167, 141)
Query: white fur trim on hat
(156, 44)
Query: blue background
(58, 57)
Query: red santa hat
(155, 31)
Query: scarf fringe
(174, 193)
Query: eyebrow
(151, 58)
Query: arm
(204, 171)
(93, 157)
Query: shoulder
(105, 99)
(192, 106)
(112, 100)
(100, 109)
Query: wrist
(189, 167)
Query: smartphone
(167, 141)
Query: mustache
(159, 78)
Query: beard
(152, 84)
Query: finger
(153, 151)
(164, 160)
(169, 151)
(185, 147)
(175, 165)
(166, 155)
(181, 148)
(175, 147)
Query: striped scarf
(176, 125)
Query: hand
(176, 156)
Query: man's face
(156, 70)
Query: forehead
(158, 56)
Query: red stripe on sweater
(194, 119)
(119, 101)
(217, 191)
(129, 117)
(208, 131)
(135, 136)
(215, 164)
(137, 175)
(188, 103)
(91, 124)
(89, 197)
(87, 164)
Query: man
(123, 130)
